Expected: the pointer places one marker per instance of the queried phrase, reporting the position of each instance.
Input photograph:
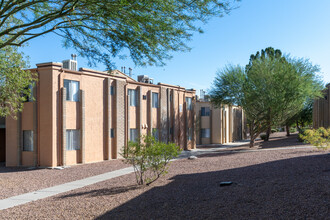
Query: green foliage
(317, 137)
(263, 137)
(150, 158)
(14, 81)
(292, 130)
(101, 30)
(271, 88)
(274, 130)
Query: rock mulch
(279, 184)
(15, 181)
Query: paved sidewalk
(52, 191)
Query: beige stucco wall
(99, 108)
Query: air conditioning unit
(70, 64)
(145, 79)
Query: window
(205, 111)
(73, 139)
(189, 134)
(171, 130)
(112, 90)
(188, 103)
(205, 132)
(30, 98)
(112, 133)
(133, 134)
(27, 140)
(155, 133)
(72, 90)
(155, 100)
(132, 97)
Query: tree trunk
(287, 128)
(269, 129)
(251, 142)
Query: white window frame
(132, 97)
(72, 90)
(155, 100)
(71, 143)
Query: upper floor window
(132, 97)
(155, 100)
(205, 111)
(188, 103)
(72, 90)
(112, 90)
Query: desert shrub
(301, 132)
(317, 137)
(292, 130)
(150, 158)
(274, 130)
(263, 137)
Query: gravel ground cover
(279, 184)
(15, 181)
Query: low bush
(263, 137)
(293, 130)
(150, 158)
(274, 130)
(317, 137)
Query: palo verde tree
(270, 88)
(99, 30)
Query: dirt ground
(269, 182)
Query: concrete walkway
(52, 191)
(55, 190)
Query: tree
(302, 118)
(100, 29)
(270, 88)
(150, 158)
(15, 82)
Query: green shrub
(263, 137)
(274, 130)
(293, 130)
(317, 137)
(149, 158)
(301, 132)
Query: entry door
(2, 144)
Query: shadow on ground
(297, 188)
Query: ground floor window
(27, 140)
(205, 132)
(189, 136)
(133, 134)
(72, 139)
(155, 133)
(112, 133)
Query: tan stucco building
(88, 116)
(219, 125)
(321, 110)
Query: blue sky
(300, 28)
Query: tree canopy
(271, 88)
(14, 81)
(101, 30)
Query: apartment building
(89, 116)
(321, 110)
(219, 125)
